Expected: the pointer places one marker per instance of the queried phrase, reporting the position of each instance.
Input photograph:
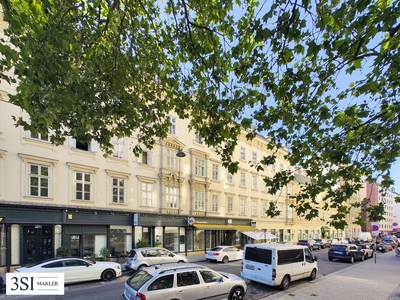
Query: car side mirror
(315, 258)
(219, 280)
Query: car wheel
(108, 275)
(313, 274)
(352, 259)
(225, 259)
(285, 283)
(181, 261)
(330, 258)
(140, 268)
(236, 294)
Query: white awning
(259, 235)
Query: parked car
(334, 241)
(342, 241)
(144, 257)
(388, 244)
(185, 282)
(309, 243)
(278, 264)
(322, 244)
(367, 249)
(224, 254)
(349, 252)
(75, 269)
(350, 240)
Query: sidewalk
(365, 280)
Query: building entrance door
(37, 243)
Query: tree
(99, 69)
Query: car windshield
(138, 280)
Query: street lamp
(181, 154)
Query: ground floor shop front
(32, 234)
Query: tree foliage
(319, 77)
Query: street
(99, 290)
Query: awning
(206, 226)
(259, 235)
(243, 227)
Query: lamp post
(181, 154)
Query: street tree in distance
(320, 77)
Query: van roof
(275, 246)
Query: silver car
(144, 257)
(183, 282)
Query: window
(243, 179)
(83, 186)
(147, 194)
(199, 200)
(198, 139)
(187, 278)
(281, 211)
(242, 206)
(84, 146)
(171, 197)
(254, 158)
(254, 208)
(162, 283)
(200, 167)
(281, 167)
(215, 203)
(39, 178)
(172, 128)
(264, 209)
(119, 147)
(254, 182)
(230, 205)
(171, 160)
(243, 153)
(215, 172)
(41, 136)
(146, 158)
(118, 190)
(273, 168)
(229, 178)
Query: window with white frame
(254, 184)
(171, 197)
(119, 147)
(264, 209)
(254, 158)
(83, 185)
(281, 211)
(171, 161)
(172, 128)
(39, 180)
(281, 167)
(229, 178)
(290, 212)
(273, 168)
(229, 205)
(199, 200)
(146, 158)
(215, 172)
(84, 146)
(147, 193)
(200, 167)
(198, 139)
(242, 210)
(243, 153)
(215, 203)
(242, 179)
(118, 190)
(40, 136)
(254, 208)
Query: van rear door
(264, 267)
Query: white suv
(144, 257)
(185, 282)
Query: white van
(278, 264)
(365, 237)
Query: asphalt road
(99, 290)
